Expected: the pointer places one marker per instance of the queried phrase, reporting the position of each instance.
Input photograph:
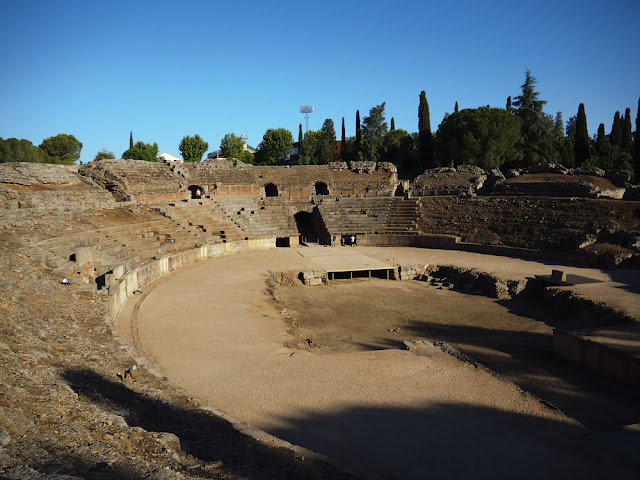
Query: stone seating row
(201, 217)
(257, 218)
(363, 215)
(127, 244)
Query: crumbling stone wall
(48, 186)
(138, 180)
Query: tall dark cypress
(393, 125)
(616, 131)
(636, 147)
(456, 109)
(601, 140)
(343, 143)
(131, 139)
(300, 142)
(358, 136)
(424, 132)
(581, 143)
(508, 104)
(626, 141)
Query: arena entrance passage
(311, 227)
(270, 190)
(196, 191)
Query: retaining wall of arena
(597, 356)
(140, 276)
(452, 242)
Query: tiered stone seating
(205, 218)
(126, 245)
(256, 217)
(375, 215)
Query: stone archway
(399, 191)
(322, 188)
(270, 190)
(196, 191)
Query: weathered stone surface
(362, 166)
(619, 178)
(548, 168)
(590, 171)
(473, 169)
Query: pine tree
(456, 109)
(581, 142)
(358, 136)
(131, 139)
(616, 131)
(537, 145)
(626, 141)
(424, 132)
(392, 128)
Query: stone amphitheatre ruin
(203, 276)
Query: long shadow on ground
(204, 436)
(527, 359)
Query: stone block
(558, 275)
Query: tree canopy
(62, 148)
(142, 151)
(276, 142)
(104, 154)
(327, 150)
(374, 129)
(14, 150)
(483, 136)
(536, 145)
(231, 146)
(581, 144)
(193, 148)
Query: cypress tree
(616, 131)
(581, 143)
(456, 110)
(424, 132)
(636, 146)
(131, 139)
(393, 125)
(601, 140)
(358, 136)
(343, 143)
(509, 104)
(299, 142)
(626, 141)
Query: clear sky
(98, 70)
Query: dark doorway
(283, 242)
(196, 191)
(399, 191)
(270, 190)
(322, 189)
(311, 227)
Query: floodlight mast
(306, 109)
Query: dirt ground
(355, 395)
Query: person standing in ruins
(333, 240)
(353, 240)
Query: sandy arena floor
(356, 396)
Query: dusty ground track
(356, 396)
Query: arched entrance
(270, 190)
(399, 191)
(196, 191)
(322, 189)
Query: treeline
(519, 135)
(62, 149)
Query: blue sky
(98, 70)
